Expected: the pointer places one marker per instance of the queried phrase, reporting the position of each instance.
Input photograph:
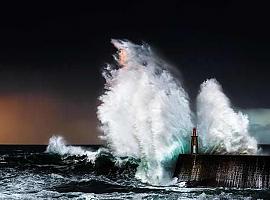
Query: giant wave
(145, 114)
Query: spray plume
(144, 112)
(222, 130)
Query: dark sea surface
(28, 172)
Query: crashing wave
(221, 129)
(101, 158)
(145, 114)
(144, 111)
(57, 145)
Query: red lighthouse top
(194, 132)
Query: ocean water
(29, 172)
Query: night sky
(51, 58)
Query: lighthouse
(194, 142)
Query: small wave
(57, 145)
(100, 161)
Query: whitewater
(145, 114)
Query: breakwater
(239, 171)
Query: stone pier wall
(224, 170)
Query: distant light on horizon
(34, 118)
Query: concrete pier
(239, 171)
